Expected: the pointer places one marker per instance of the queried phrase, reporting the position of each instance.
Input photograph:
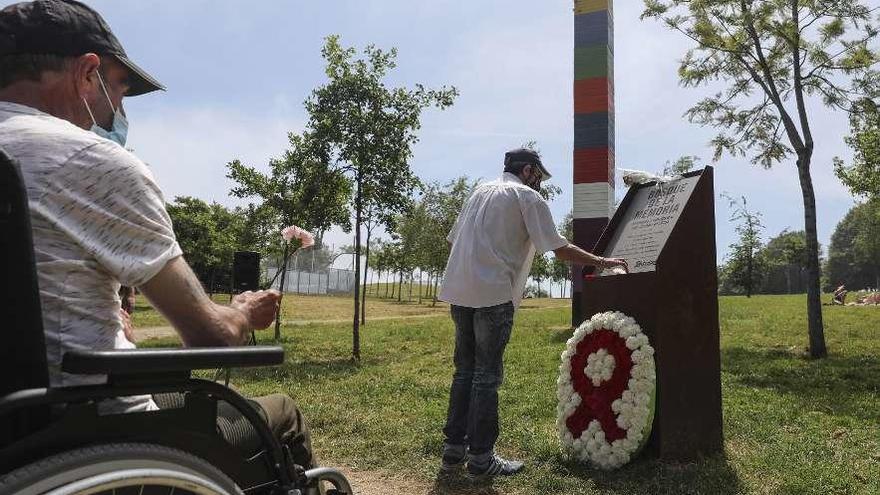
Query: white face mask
(119, 132)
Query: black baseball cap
(525, 155)
(67, 28)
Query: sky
(238, 71)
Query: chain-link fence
(329, 281)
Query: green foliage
(298, 190)
(774, 55)
(784, 259)
(743, 270)
(680, 166)
(863, 176)
(854, 253)
(419, 235)
(208, 235)
(365, 130)
(541, 268)
(770, 53)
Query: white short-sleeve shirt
(494, 241)
(98, 220)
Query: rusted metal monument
(667, 234)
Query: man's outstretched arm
(178, 295)
(574, 254)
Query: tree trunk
(436, 281)
(211, 284)
(749, 274)
(366, 270)
(814, 302)
(281, 290)
(355, 329)
(400, 287)
(411, 283)
(420, 286)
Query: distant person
(125, 337)
(493, 243)
(97, 215)
(839, 295)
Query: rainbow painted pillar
(593, 130)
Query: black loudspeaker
(245, 271)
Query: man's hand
(178, 295)
(127, 327)
(258, 307)
(612, 262)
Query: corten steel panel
(677, 306)
(586, 231)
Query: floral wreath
(606, 391)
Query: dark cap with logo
(67, 28)
(527, 156)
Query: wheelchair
(57, 441)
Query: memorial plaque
(647, 222)
(667, 233)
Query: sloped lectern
(666, 232)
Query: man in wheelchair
(97, 219)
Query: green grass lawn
(791, 426)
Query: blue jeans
(481, 334)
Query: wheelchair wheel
(119, 469)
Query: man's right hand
(258, 307)
(612, 262)
(178, 295)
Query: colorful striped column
(593, 129)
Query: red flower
(596, 401)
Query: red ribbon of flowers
(596, 401)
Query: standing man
(493, 243)
(97, 214)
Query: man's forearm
(574, 254)
(177, 293)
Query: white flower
(631, 410)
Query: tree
(852, 254)
(560, 270)
(744, 268)
(867, 239)
(774, 55)
(299, 189)
(208, 235)
(680, 166)
(863, 176)
(541, 269)
(784, 258)
(443, 203)
(366, 131)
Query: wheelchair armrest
(150, 361)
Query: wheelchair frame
(37, 421)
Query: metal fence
(330, 281)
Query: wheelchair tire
(111, 468)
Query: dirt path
(147, 333)
(382, 483)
